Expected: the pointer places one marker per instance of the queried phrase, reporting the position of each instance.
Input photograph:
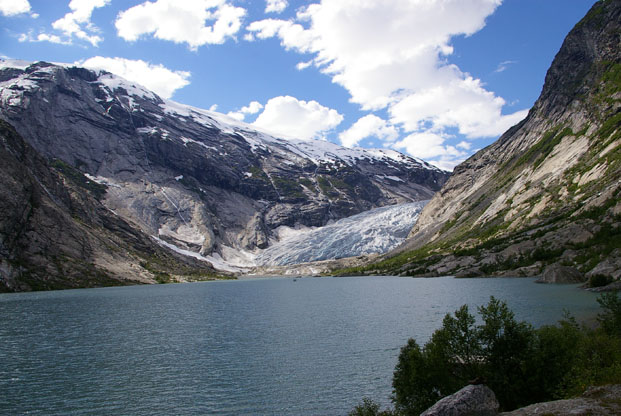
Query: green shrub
(522, 365)
(599, 280)
(369, 408)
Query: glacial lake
(313, 346)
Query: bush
(610, 319)
(522, 365)
(369, 408)
(598, 280)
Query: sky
(435, 79)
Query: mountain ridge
(193, 180)
(547, 191)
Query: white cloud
(462, 103)
(78, 22)
(368, 126)
(14, 7)
(157, 78)
(181, 21)
(289, 117)
(275, 6)
(252, 108)
(432, 147)
(392, 54)
(504, 65)
(300, 66)
(42, 37)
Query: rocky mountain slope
(548, 191)
(54, 232)
(199, 182)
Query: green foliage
(326, 186)
(288, 187)
(369, 408)
(307, 183)
(257, 173)
(78, 178)
(522, 365)
(610, 318)
(599, 280)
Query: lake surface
(315, 346)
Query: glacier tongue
(374, 231)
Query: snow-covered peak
(115, 82)
(14, 63)
(115, 87)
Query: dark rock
(472, 400)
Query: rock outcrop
(601, 401)
(561, 274)
(472, 400)
(55, 233)
(199, 181)
(549, 189)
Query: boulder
(610, 266)
(601, 400)
(556, 273)
(472, 400)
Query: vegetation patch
(521, 364)
(77, 178)
(288, 187)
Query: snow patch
(102, 180)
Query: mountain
(195, 181)
(55, 233)
(547, 193)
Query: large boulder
(602, 400)
(472, 400)
(556, 273)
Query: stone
(472, 400)
(556, 273)
(610, 266)
(601, 400)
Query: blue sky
(436, 79)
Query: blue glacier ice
(374, 231)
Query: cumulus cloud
(157, 78)
(392, 54)
(289, 117)
(368, 126)
(432, 147)
(181, 21)
(275, 6)
(78, 22)
(42, 37)
(252, 108)
(14, 7)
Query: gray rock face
(561, 274)
(197, 179)
(472, 400)
(552, 179)
(55, 234)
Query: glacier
(374, 231)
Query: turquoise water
(314, 346)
